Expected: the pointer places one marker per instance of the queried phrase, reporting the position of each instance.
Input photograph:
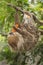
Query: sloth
(25, 36)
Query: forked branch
(19, 9)
(25, 12)
(36, 20)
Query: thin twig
(41, 31)
(19, 9)
(4, 34)
(36, 20)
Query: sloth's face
(26, 19)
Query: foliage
(10, 56)
(37, 9)
(6, 22)
(7, 13)
(15, 58)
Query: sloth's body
(21, 43)
(16, 41)
(27, 38)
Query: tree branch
(26, 12)
(3, 34)
(19, 9)
(36, 20)
(41, 31)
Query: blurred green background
(6, 22)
